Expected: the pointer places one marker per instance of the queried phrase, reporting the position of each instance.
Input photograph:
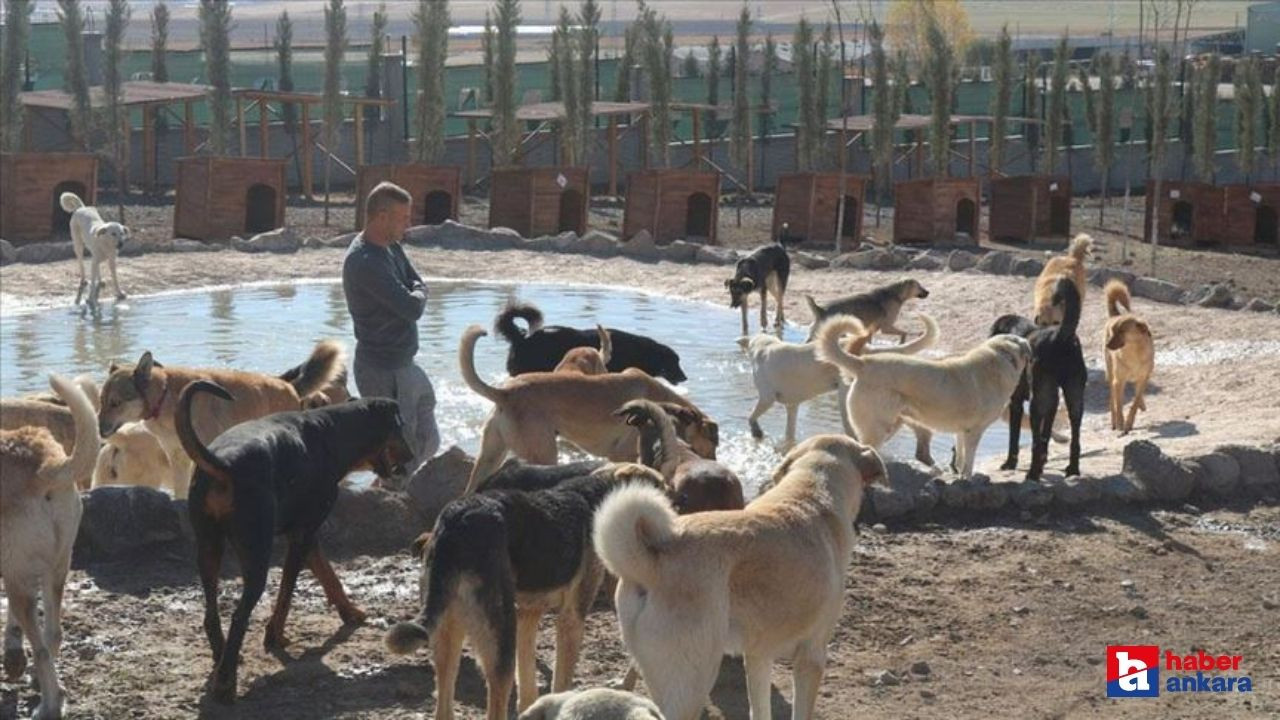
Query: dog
(531, 410)
(766, 271)
(495, 563)
(791, 374)
(1071, 265)
(277, 474)
(1057, 363)
(1013, 324)
(593, 704)
(49, 411)
(766, 581)
(541, 347)
(104, 241)
(332, 394)
(877, 309)
(148, 392)
(1130, 353)
(40, 513)
(588, 360)
(696, 484)
(132, 456)
(961, 394)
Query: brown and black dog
(277, 475)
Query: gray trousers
(410, 387)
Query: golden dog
(588, 360)
(1130, 353)
(1071, 265)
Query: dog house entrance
(570, 210)
(437, 207)
(1183, 213)
(697, 217)
(966, 217)
(1059, 215)
(62, 218)
(260, 208)
(851, 210)
(1265, 230)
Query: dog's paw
(756, 432)
(1009, 465)
(274, 638)
(121, 296)
(352, 615)
(224, 690)
(15, 662)
(1072, 470)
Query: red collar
(153, 412)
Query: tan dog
(148, 392)
(132, 456)
(961, 394)
(697, 484)
(1071, 265)
(40, 513)
(766, 582)
(593, 704)
(1130, 353)
(48, 411)
(532, 410)
(588, 360)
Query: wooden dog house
(809, 205)
(936, 210)
(32, 183)
(1250, 215)
(673, 205)
(1190, 213)
(539, 201)
(436, 189)
(218, 197)
(1027, 207)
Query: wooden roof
(136, 92)
(555, 110)
(867, 123)
(304, 97)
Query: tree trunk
(328, 164)
(1102, 207)
(1155, 224)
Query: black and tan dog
(1057, 362)
(878, 309)
(494, 564)
(277, 475)
(766, 271)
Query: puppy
(878, 309)
(961, 394)
(540, 348)
(276, 474)
(103, 239)
(593, 704)
(791, 374)
(495, 563)
(40, 514)
(766, 581)
(588, 360)
(765, 271)
(1130, 353)
(532, 410)
(1071, 265)
(148, 392)
(697, 484)
(132, 456)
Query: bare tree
(587, 39)
(887, 108)
(768, 70)
(939, 70)
(160, 42)
(488, 44)
(1273, 126)
(335, 31)
(116, 114)
(215, 38)
(1161, 112)
(506, 136)
(715, 69)
(806, 111)
(1002, 77)
(1205, 132)
(1057, 105)
(431, 21)
(826, 61)
(1248, 90)
(17, 32)
(1030, 107)
(555, 54)
(567, 70)
(373, 69)
(75, 77)
(284, 67)
(1104, 141)
(622, 83)
(741, 140)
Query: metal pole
(404, 83)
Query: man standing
(385, 297)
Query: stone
(1215, 296)
(1158, 290)
(439, 481)
(598, 244)
(546, 243)
(924, 261)
(885, 678)
(183, 245)
(7, 252)
(566, 241)
(1026, 267)
(43, 252)
(340, 241)
(961, 260)
(1027, 495)
(1121, 489)
(1258, 471)
(920, 667)
(454, 235)
(641, 247)
(1216, 473)
(128, 522)
(872, 259)
(280, 240)
(1077, 491)
(1259, 305)
(680, 251)
(888, 502)
(909, 487)
(1161, 477)
(714, 255)
(986, 495)
(954, 494)
(808, 260)
(371, 521)
(996, 263)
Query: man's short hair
(384, 195)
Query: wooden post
(919, 157)
(613, 156)
(359, 135)
(751, 165)
(471, 151)
(844, 148)
(244, 137)
(306, 151)
(697, 140)
(264, 125)
(189, 128)
(644, 141)
(149, 146)
(26, 129)
(973, 145)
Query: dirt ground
(1009, 618)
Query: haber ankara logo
(1133, 671)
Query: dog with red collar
(148, 392)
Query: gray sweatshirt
(385, 297)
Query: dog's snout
(923, 293)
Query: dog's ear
(113, 367)
(420, 543)
(633, 415)
(747, 285)
(729, 283)
(680, 414)
(142, 371)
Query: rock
(924, 261)
(679, 251)
(7, 253)
(454, 235)
(1100, 276)
(1158, 290)
(598, 244)
(885, 678)
(927, 695)
(1259, 305)
(183, 245)
(954, 494)
(439, 481)
(371, 521)
(566, 241)
(1161, 477)
(964, 238)
(1077, 491)
(872, 259)
(129, 522)
(546, 243)
(515, 237)
(1026, 267)
(961, 260)
(888, 503)
(907, 488)
(280, 240)
(43, 252)
(1258, 471)
(1121, 489)
(1215, 296)
(996, 263)
(339, 241)
(714, 255)
(1030, 495)
(880, 529)
(1216, 473)
(311, 242)
(808, 260)
(920, 667)
(986, 495)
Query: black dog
(491, 546)
(765, 271)
(277, 475)
(541, 348)
(1022, 327)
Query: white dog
(103, 239)
(962, 394)
(593, 704)
(40, 513)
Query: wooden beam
(244, 136)
(26, 128)
(644, 141)
(471, 152)
(149, 147)
(306, 151)
(264, 130)
(613, 156)
(359, 136)
(189, 128)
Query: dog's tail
(828, 343)
(191, 445)
(920, 344)
(658, 439)
(1081, 245)
(324, 366)
(70, 202)
(630, 529)
(606, 344)
(85, 453)
(505, 323)
(1117, 295)
(455, 551)
(467, 363)
(814, 308)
